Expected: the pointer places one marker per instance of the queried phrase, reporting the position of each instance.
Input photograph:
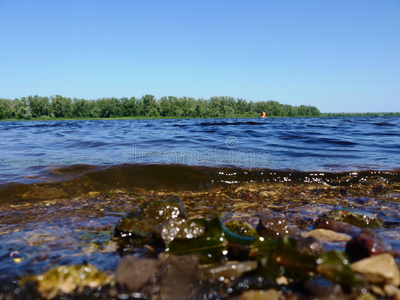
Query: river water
(30, 149)
(65, 184)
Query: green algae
(66, 279)
(364, 220)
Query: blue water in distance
(302, 144)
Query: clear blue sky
(337, 55)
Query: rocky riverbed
(260, 240)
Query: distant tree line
(147, 106)
(368, 114)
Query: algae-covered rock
(281, 257)
(240, 233)
(365, 220)
(335, 266)
(67, 279)
(141, 223)
(210, 246)
(179, 228)
(229, 271)
(241, 228)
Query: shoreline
(323, 115)
(80, 231)
(64, 181)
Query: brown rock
(327, 235)
(179, 280)
(260, 295)
(134, 273)
(379, 269)
(366, 243)
(276, 226)
(310, 245)
(338, 226)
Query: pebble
(260, 295)
(379, 269)
(327, 235)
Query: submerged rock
(252, 283)
(365, 244)
(281, 257)
(276, 226)
(320, 287)
(337, 226)
(365, 220)
(230, 271)
(241, 228)
(141, 223)
(67, 279)
(210, 246)
(379, 269)
(335, 266)
(327, 235)
(179, 228)
(310, 245)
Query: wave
(54, 182)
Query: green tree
(128, 106)
(110, 107)
(22, 109)
(80, 108)
(5, 109)
(61, 107)
(150, 106)
(40, 106)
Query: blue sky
(341, 56)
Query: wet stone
(66, 279)
(379, 269)
(310, 245)
(229, 271)
(134, 273)
(179, 280)
(82, 226)
(241, 228)
(141, 223)
(320, 287)
(337, 226)
(275, 226)
(365, 244)
(261, 295)
(365, 220)
(178, 228)
(327, 235)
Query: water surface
(31, 149)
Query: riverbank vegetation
(56, 107)
(368, 114)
